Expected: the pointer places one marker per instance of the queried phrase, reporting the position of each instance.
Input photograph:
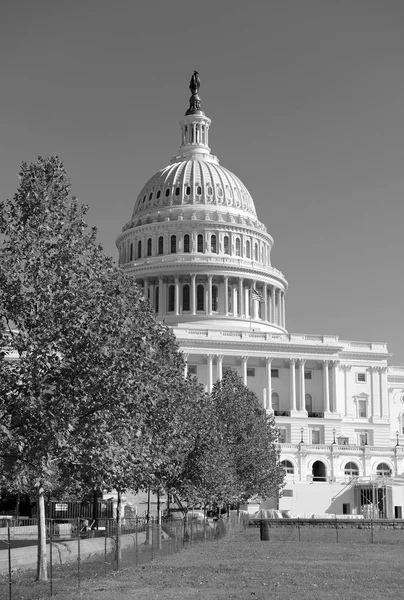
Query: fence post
(9, 557)
(50, 555)
(78, 551)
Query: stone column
(210, 294)
(265, 303)
(375, 391)
(235, 301)
(244, 360)
(302, 385)
(283, 311)
(160, 296)
(186, 356)
(335, 371)
(219, 359)
(146, 288)
(384, 400)
(326, 387)
(152, 286)
(292, 383)
(210, 373)
(226, 296)
(177, 295)
(346, 369)
(268, 366)
(193, 293)
(240, 292)
(247, 304)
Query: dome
(195, 182)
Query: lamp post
(333, 436)
(366, 437)
(301, 435)
(398, 443)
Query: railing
(315, 415)
(282, 413)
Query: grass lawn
(241, 566)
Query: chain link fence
(77, 552)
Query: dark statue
(194, 101)
(195, 83)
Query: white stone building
(195, 244)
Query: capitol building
(195, 244)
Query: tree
(87, 374)
(250, 436)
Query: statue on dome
(195, 83)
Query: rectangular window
(361, 377)
(192, 370)
(307, 374)
(362, 408)
(282, 435)
(315, 436)
(343, 441)
(287, 493)
(398, 513)
(274, 373)
(346, 509)
(250, 372)
(362, 438)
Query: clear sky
(306, 99)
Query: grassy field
(241, 566)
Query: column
(270, 305)
(247, 307)
(226, 296)
(152, 286)
(384, 405)
(283, 311)
(177, 295)
(335, 371)
(146, 288)
(210, 373)
(302, 385)
(219, 359)
(346, 369)
(160, 296)
(255, 303)
(268, 366)
(210, 294)
(244, 360)
(240, 293)
(326, 387)
(235, 301)
(375, 391)
(193, 293)
(265, 303)
(292, 383)
(186, 356)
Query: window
(158, 194)
(149, 247)
(238, 247)
(139, 249)
(177, 191)
(215, 298)
(167, 192)
(156, 299)
(308, 402)
(150, 196)
(282, 435)
(363, 438)
(131, 252)
(161, 244)
(200, 242)
(362, 408)
(307, 374)
(200, 297)
(192, 370)
(275, 401)
(346, 509)
(250, 372)
(230, 299)
(256, 252)
(213, 244)
(173, 244)
(383, 470)
(319, 471)
(288, 466)
(185, 297)
(186, 243)
(361, 377)
(198, 190)
(171, 297)
(315, 436)
(351, 469)
(248, 249)
(187, 190)
(274, 373)
(343, 441)
(226, 244)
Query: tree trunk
(42, 572)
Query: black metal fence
(75, 552)
(346, 531)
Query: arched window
(139, 249)
(177, 191)
(308, 401)
(200, 297)
(198, 190)
(226, 244)
(200, 242)
(229, 299)
(248, 249)
(256, 252)
(173, 244)
(275, 401)
(171, 298)
(288, 466)
(185, 297)
(158, 194)
(238, 247)
(319, 471)
(188, 190)
(149, 247)
(156, 298)
(213, 244)
(215, 298)
(383, 470)
(186, 243)
(351, 469)
(167, 192)
(161, 245)
(131, 253)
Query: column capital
(334, 363)
(244, 359)
(345, 368)
(326, 363)
(186, 356)
(219, 357)
(268, 360)
(293, 361)
(210, 357)
(193, 275)
(301, 361)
